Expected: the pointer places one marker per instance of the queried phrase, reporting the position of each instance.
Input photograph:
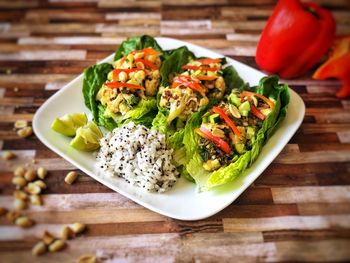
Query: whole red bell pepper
(338, 65)
(295, 37)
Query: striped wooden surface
(297, 210)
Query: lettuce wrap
(239, 161)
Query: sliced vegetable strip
(204, 68)
(227, 119)
(207, 77)
(266, 100)
(118, 85)
(256, 112)
(224, 146)
(187, 81)
(146, 51)
(147, 63)
(209, 60)
(117, 71)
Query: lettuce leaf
(136, 43)
(94, 76)
(232, 79)
(269, 87)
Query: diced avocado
(132, 99)
(250, 132)
(244, 108)
(110, 75)
(240, 148)
(266, 111)
(235, 99)
(205, 118)
(211, 165)
(214, 118)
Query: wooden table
(298, 209)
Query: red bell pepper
(187, 81)
(227, 119)
(119, 85)
(338, 66)
(257, 113)
(204, 68)
(295, 38)
(147, 63)
(208, 61)
(266, 100)
(220, 143)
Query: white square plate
(182, 201)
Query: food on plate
(227, 139)
(69, 123)
(140, 156)
(170, 113)
(126, 89)
(87, 137)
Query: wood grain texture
(297, 210)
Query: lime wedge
(87, 138)
(69, 123)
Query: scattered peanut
(67, 233)
(30, 175)
(19, 171)
(36, 200)
(8, 155)
(20, 124)
(40, 183)
(42, 172)
(48, 238)
(19, 181)
(39, 249)
(3, 211)
(25, 132)
(87, 259)
(57, 245)
(78, 228)
(19, 204)
(33, 189)
(24, 221)
(71, 177)
(12, 216)
(18, 194)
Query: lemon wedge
(69, 123)
(87, 137)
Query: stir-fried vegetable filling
(229, 130)
(191, 90)
(135, 76)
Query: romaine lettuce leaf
(136, 43)
(269, 87)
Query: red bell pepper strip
(187, 81)
(147, 63)
(262, 97)
(295, 38)
(227, 119)
(146, 51)
(207, 77)
(338, 66)
(220, 143)
(204, 68)
(119, 85)
(208, 61)
(256, 112)
(118, 70)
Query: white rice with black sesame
(140, 156)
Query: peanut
(67, 233)
(19, 171)
(40, 183)
(20, 124)
(36, 200)
(12, 216)
(33, 189)
(18, 194)
(39, 249)
(71, 177)
(30, 175)
(48, 238)
(19, 181)
(24, 222)
(42, 172)
(78, 228)
(25, 132)
(20, 204)
(57, 245)
(8, 155)
(87, 259)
